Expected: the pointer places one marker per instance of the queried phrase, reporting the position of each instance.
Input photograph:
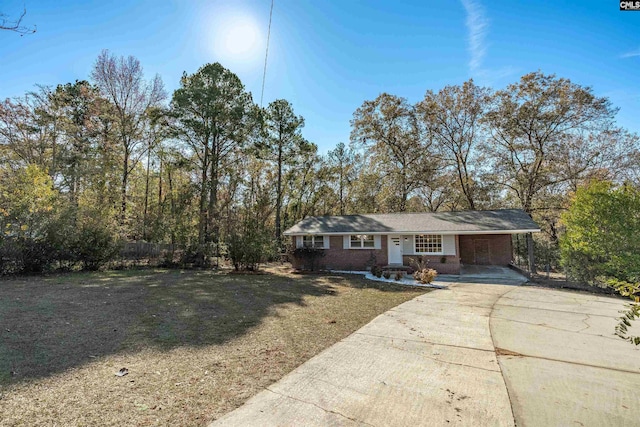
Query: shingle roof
(503, 220)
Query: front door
(395, 249)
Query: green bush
(601, 238)
(25, 255)
(10, 256)
(601, 245)
(60, 244)
(37, 255)
(248, 249)
(94, 246)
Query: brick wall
(337, 258)
(450, 266)
(486, 249)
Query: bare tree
(341, 162)
(532, 121)
(453, 115)
(16, 25)
(121, 81)
(389, 128)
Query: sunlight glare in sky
(237, 38)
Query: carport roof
(461, 222)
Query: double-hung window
(362, 241)
(428, 244)
(313, 242)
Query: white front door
(395, 249)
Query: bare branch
(16, 25)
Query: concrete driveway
(474, 354)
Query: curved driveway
(474, 354)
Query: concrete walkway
(471, 355)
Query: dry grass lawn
(197, 344)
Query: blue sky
(327, 57)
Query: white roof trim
(533, 230)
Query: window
(313, 242)
(362, 241)
(429, 243)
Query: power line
(266, 55)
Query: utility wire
(266, 55)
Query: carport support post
(532, 259)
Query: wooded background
(85, 166)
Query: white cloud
(631, 54)
(477, 25)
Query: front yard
(196, 344)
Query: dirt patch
(196, 344)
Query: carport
(486, 249)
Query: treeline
(87, 165)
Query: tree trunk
(213, 233)
(123, 189)
(279, 196)
(146, 196)
(202, 223)
(172, 205)
(463, 176)
(160, 202)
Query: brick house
(447, 239)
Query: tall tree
(26, 137)
(121, 81)
(213, 114)
(282, 145)
(530, 122)
(390, 128)
(607, 155)
(79, 112)
(341, 165)
(453, 115)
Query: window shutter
(346, 239)
(377, 241)
(298, 241)
(325, 241)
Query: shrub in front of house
(425, 276)
(386, 274)
(376, 270)
(420, 263)
(398, 276)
